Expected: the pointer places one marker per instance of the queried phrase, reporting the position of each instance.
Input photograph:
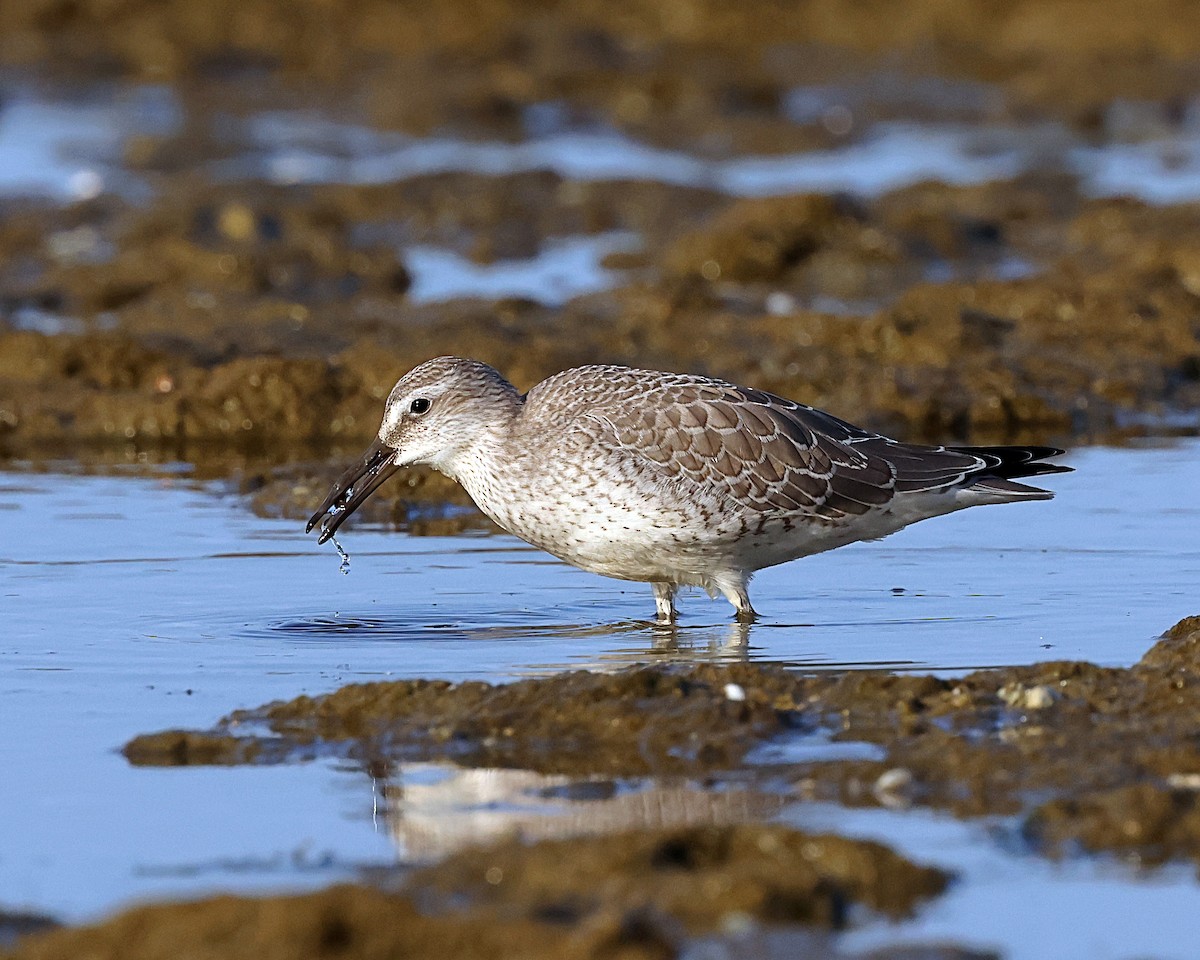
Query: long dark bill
(352, 489)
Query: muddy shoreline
(979, 745)
(996, 742)
(640, 894)
(676, 71)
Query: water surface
(134, 604)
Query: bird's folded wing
(763, 455)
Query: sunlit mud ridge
(983, 744)
(631, 722)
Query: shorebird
(668, 478)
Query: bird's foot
(733, 586)
(664, 604)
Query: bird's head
(435, 415)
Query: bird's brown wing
(764, 455)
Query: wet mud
(678, 71)
(982, 745)
(640, 894)
(622, 724)
(1010, 742)
(342, 921)
(698, 876)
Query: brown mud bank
(236, 325)
(639, 894)
(706, 72)
(1103, 759)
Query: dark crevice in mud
(17, 923)
(1005, 741)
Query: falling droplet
(345, 567)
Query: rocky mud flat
(238, 320)
(287, 336)
(699, 72)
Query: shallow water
(134, 604)
(68, 147)
(561, 270)
(62, 145)
(1026, 907)
(303, 147)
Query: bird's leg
(737, 594)
(664, 601)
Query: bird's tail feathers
(1001, 490)
(996, 481)
(1011, 463)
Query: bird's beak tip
(352, 489)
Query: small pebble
(735, 692)
(1039, 697)
(780, 303)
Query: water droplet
(345, 567)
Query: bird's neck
(479, 455)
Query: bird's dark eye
(420, 405)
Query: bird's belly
(618, 536)
(630, 534)
(683, 550)
(624, 544)
(668, 544)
